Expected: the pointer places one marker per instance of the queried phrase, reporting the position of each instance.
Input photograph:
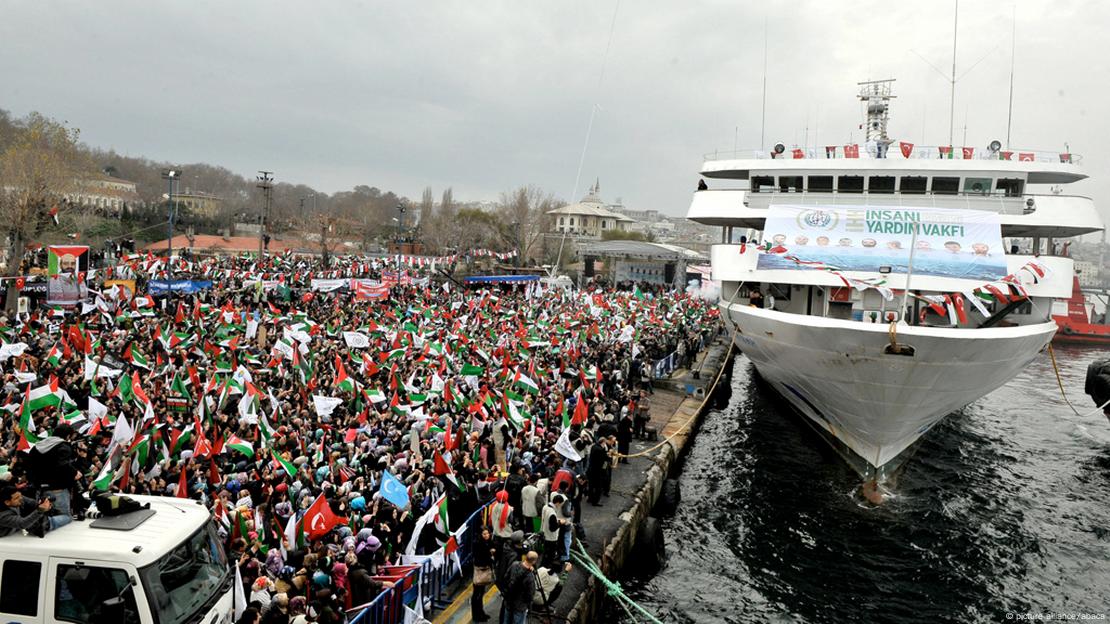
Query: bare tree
(427, 206)
(525, 209)
(447, 204)
(38, 169)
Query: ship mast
(876, 94)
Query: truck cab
(162, 565)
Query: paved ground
(601, 523)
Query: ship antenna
(1013, 50)
(589, 130)
(952, 100)
(763, 114)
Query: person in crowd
(548, 588)
(597, 466)
(520, 590)
(529, 495)
(551, 529)
(484, 553)
(624, 434)
(53, 469)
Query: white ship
(871, 366)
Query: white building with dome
(588, 218)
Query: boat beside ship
(1079, 321)
(870, 285)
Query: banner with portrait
(66, 268)
(946, 242)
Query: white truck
(163, 565)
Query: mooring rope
(1060, 383)
(612, 588)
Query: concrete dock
(612, 528)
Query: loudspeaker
(668, 273)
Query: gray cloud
(486, 96)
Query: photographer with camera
(18, 514)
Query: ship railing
(919, 152)
(1002, 204)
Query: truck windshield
(187, 578)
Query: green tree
(628, 235)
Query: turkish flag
(1026, 156)
(907, 149)
(968, 152)
(319, 519)
(851, 151)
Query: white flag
(14, 349)
(240, 599)
(122, 434)
(325, 405)
(356, 340)
(565, 448)
(97, 410)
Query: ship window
(850, 184)
(790, 184)
(880, 184)
(762, 184)
(946, 186)
(914, 185)
(1011, 187)
(820, 184)
(977, 186)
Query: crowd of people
(277, 392)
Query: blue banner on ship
(963, 244)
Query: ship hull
(872, 405)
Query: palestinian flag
(375, 395)
(442, 522)
(132, 355)
(637, 293)
(343, 383)
(290, 469)
(47, 396)
(524, 382)
(54, 358)
(236, 443)
(178, 386)
(26, 424)
(471, 370)
(104, 480)
(265, 431)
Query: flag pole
(909, 272)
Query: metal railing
(920, 152)
(424, 582)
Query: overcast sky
(484, 96)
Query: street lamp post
(170, 176)
(400, 226)
(265, 182)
